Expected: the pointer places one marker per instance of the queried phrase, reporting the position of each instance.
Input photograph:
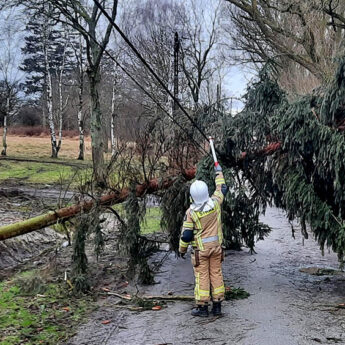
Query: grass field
(40, 147)
(42, 171)
(34, 173)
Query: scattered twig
(150, 298)
(129, 307)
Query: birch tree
(63, 70)
(79, 53)
(85, 17)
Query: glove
(182, 255)
(218, 168)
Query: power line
(125, 38)
(151, 97)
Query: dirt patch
(285, 306)
(30, 248)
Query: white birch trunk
(60, 79)
(60, 113)
(80, 120)
(80, 102)
(113, 117)
(50, 104)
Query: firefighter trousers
(208, 275)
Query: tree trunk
(50, 105)
(44, 115)
(4, 135)
(52, 217)
(81, 123)
(112, 133)
(61, 105)
(60, 113)
(97, 143)
(113, 117)
(80, 101)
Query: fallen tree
(154, 185)
(52, 217)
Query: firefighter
(202, 229)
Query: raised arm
(221, 187)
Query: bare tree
(78, 47)
(9, 77)
(153, 34)
(288, 32)
(9, 107)
(60, 75)
(200, 37)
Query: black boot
(217, 308)
(200, 310)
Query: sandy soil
(286, 306)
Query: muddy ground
(286, 306)
(18, 203)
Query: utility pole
(176, 61)
(218, 97)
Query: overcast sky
(11, 41)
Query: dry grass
(40, 147)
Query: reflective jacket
(203, 230)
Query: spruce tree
(40, 32)
(281, 150)
(47, 60)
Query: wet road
(285, 307)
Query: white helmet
(199, 192)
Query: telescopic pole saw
(213, 152)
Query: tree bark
(97, 143)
